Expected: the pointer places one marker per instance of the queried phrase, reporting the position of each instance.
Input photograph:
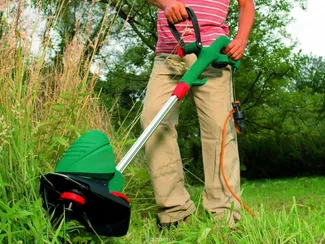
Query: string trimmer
(86, 185)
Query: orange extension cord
(224, 130)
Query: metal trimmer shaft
(126, 160)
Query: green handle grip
(234, 64)
(206, 56)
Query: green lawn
(287, 211)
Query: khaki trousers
(213, 101)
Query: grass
(45, 107)
(287, 211)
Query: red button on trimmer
(73, 197)
(180, 52)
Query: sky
(308, 28)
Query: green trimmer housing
(87, 184)
(87, 187)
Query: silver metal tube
(126, 160)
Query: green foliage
(124, 86)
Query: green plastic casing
(92, 156)
(206, 56)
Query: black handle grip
(196, 28)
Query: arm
(236, 48)
(174, 10)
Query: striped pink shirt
(211, 15)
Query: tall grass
(44, 107)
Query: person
(213, 102)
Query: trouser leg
(214, 102)
(162, 151)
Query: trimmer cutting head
(90, 203)
(86, 187)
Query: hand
(236, 48)
(175, 12)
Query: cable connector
(238, 117)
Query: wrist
(241, 38)
(164, 4)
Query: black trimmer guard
(87, 201)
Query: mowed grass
(286, 211)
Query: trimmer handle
(223, 60)
(196, 47)
(196, 27)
